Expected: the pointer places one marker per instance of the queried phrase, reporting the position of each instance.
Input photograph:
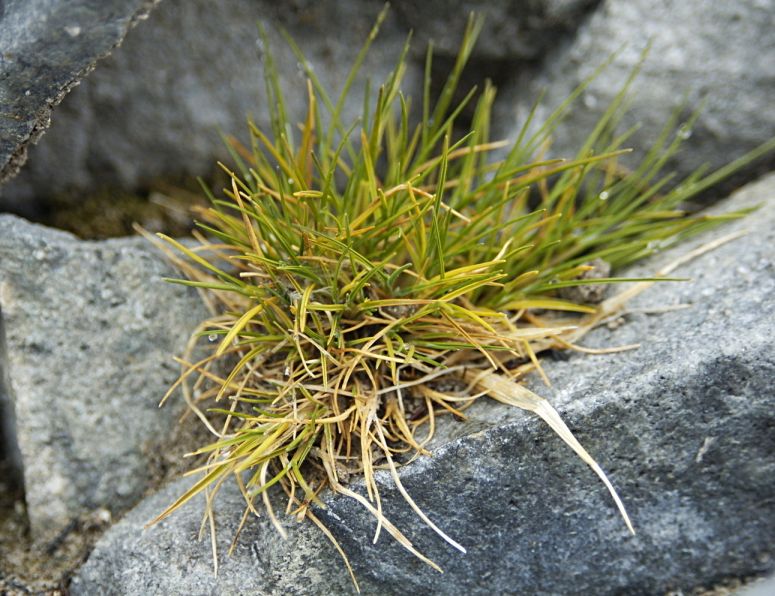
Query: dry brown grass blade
(514, 394)
(408, 498)
(336, 486)
(327, 533)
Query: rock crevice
(10, 456)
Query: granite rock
(89, 330)
(715, 56)
(156, 107)
(46, 47)
(760, 587)
(683, 425)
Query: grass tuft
(368, 277)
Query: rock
(46, 48)
(154, 108)
(90, 330)
(513, 31)
(262, 563)
(761, 587)
(683, 426)
(703, 56)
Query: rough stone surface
(684, 426)
(155, 107)
(46, 47)
(90, 330)
(718, 55)
(762, 587)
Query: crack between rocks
(10, 454)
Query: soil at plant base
(25, 569)
(164, 206)
(110, 214)
(29, 568)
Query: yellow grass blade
(238, 326)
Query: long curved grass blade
(514, 394)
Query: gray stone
(90, 330)
(168, 559)
(761, 587)
(155, 107)
(46, 47)
(683, 426)
(719, 56)
(10, 457)
(514, 30)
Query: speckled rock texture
(684, 426)
(90, 330)
(46, 47)
(718, 57)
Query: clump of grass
(368, 277)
